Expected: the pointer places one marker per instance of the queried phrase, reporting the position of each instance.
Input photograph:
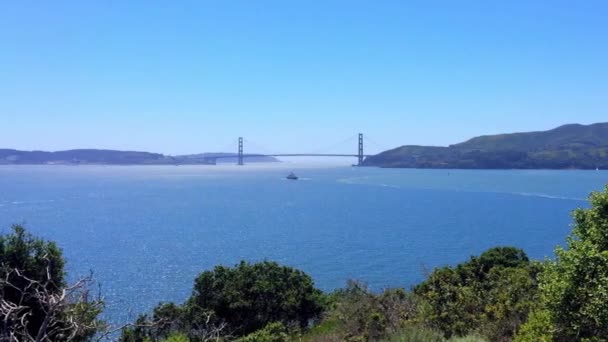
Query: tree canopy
(490, 294)
(236, 301)
(250, 296)
(574, 291)
(35, 259)
(36, 304)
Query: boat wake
(29, 202)
(528, 194)
(365, 181)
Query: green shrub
(491, 294)
(33, 257)
(538, 328)
(250, 296)
(470, 338)
(32, 279)
(273, 332)
(235, 301)
(416, 334)
(177, 338)
(326, 330)
(573, 286)
(361, 315)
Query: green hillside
(566, 147)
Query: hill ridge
(113, 157)
(569, 146)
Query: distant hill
(571, 146)
(112, 157)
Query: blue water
(148, 231)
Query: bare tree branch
(67, 312)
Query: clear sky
(295, 76)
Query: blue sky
(295, 76)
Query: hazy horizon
(312, 159)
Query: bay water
(148, 231)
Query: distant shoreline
(115, 157)
(573, 146)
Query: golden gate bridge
(241, 155)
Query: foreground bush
(230, 302)
(273, 332)
(177, 338)
(491, 295)
(250, 296)
(422, 334)
(574, 286)
(361, 315)
(265, 302)
(36, 304)
(416, 334)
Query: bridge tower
(360, 153)
(240, 162)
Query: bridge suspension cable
(379, 146)
(352, 138)
(229, 146)
(257, 148)
(241, 155)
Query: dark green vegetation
(80, 156)
(111, 157)
(250, 296)
(237, 301)
(566, 147)
(499, 295)
(490, 295)
(36, 304)
(485, 298)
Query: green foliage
(491, 294)
(250, 296)
(273, 332)
(416, 333)
(168, 318)
(538, 328)
(508, 299)
(237, 301)
(326, 330)
(361, 315)
(25, 259)
(573, 286)
(140, 331)
(470, 338)
(32, 256)
(177, 338)
(452, 304)
(499, 257)
(568, 146)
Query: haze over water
(148, 231)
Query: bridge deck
(290, 155)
